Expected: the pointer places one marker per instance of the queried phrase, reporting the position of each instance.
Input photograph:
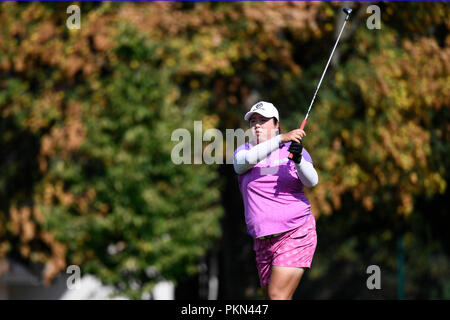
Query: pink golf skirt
(294, 248)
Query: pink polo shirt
(274, 200)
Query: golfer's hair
(275, 121)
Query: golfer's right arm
(244, 160)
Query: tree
(106, 195)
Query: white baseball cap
(266, 109)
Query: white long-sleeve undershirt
(307, 174)
(245, 160)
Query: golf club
(347, 11)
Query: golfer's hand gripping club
(296, 149)
(347, 11)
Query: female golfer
(277, 212)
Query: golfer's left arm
(307, 174)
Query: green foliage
(126, 162)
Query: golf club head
(347, 11)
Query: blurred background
(86, 118)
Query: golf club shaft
(323, 74)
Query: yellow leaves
(405, 161)
(413, 177)
(274, 16)
(185, 51)
(18, 218)
(102, 42)
(19, 63)
(29, 231)
(5, 63)
(22, 225)
(395, 70)
(96, 85)
(164, 187)
(367, 202)
(17, 29)
(170, 62)
(67, 139)
(329, 27)
(39, 40)
(399, 78)
(99, 27)
(396, 94)
(30, 13)
(153, 198)
(379, 174)
(325, 197)
(194, 84)
(46, 31)
(216, 44)
(418, 77)
(406, 204)
(24, 250)
(37, 214)
(352, 175)
(47, 108)
(389, 10)
(173, 96)
(134, 64)
(131, 264)
(434, 181)
(145, 246)
(318, 201)
(442, 184)
(336, 199)
(401, 95)
(405, 144)
(73, 33)
(345, 134)
(216, 38)
(210, 121)
(357, 140)
(57, 260)
(54, 194)
(262, 56)
(329, 11)
(72, 64)
(339, 79)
